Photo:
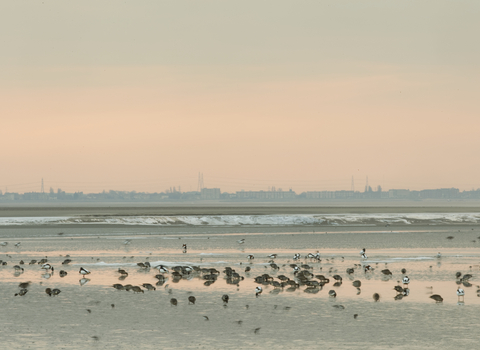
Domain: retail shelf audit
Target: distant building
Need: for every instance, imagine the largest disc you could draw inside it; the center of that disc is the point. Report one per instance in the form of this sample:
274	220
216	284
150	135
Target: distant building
266	195
210	193
398	193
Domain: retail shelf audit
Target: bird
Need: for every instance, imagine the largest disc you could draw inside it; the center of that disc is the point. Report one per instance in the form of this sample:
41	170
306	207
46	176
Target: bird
83	271
137	289
62	273
363	253
225	298
118	286
250	257
258	291
206	318
22	292
460	293
406	281
3	244
332	293
404	271
367	268
55	291
173	302
162	269
191	299
387	272
24	285
272	256
66	262
18	268
47	267
436	297
127	241
122	272
439	255
241	241
376	297
148	286
18	244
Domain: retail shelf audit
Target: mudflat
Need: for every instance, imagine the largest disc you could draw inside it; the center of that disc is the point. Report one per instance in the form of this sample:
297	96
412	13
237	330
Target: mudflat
90	313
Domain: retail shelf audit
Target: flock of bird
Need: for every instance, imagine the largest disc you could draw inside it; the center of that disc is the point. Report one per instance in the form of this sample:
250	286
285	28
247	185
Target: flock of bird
300	275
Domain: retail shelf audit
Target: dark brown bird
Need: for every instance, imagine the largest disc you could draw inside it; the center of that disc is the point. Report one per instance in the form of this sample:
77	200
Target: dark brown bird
191	300
225	298
173	302
437	298
376	297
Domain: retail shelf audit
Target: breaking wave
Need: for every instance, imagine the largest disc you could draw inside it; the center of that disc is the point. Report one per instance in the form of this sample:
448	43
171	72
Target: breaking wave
254	220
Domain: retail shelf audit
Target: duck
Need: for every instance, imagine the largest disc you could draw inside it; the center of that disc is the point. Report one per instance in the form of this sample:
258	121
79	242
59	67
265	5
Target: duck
191	300
460	293
258	291
225	298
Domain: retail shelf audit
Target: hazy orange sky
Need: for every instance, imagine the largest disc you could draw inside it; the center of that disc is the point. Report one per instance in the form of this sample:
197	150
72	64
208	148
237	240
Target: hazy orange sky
144	95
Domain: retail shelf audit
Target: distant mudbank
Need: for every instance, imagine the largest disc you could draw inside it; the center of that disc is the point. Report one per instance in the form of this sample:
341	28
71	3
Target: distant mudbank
255	220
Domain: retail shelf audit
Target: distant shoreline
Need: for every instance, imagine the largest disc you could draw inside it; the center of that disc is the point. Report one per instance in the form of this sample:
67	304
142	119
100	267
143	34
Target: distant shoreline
137	209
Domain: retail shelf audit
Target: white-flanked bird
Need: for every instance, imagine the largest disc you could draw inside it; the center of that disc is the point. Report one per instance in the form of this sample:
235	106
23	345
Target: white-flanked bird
18	244
250	257
363	253
127	241
272	256
83	271
258	291
47	267
162	269
460	293
3	244
296	256
406	281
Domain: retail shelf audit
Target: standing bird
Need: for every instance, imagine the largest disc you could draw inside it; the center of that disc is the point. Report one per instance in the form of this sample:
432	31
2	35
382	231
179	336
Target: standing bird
191	300
376	297
225	298
406	281
363	253
173	302
241	241
258	291
272	256
184	248
47	267
84	271
250	257
460	293
437	298
22	292
332	293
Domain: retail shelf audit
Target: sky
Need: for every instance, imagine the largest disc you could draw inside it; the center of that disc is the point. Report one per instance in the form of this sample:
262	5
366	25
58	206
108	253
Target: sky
145	95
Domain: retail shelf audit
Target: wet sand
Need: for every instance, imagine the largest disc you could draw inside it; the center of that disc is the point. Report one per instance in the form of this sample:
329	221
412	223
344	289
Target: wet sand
81	316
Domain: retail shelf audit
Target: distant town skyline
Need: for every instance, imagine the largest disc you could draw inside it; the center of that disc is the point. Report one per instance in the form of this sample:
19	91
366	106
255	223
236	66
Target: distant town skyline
43	186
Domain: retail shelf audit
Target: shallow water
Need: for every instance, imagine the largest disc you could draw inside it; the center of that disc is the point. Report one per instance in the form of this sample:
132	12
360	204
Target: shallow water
283	319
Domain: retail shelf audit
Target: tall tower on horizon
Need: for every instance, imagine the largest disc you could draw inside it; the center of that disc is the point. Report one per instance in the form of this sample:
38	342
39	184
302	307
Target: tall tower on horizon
366	185
42	190
352	187
200	182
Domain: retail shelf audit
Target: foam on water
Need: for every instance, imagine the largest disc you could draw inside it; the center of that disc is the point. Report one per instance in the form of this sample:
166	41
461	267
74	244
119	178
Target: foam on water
254	220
